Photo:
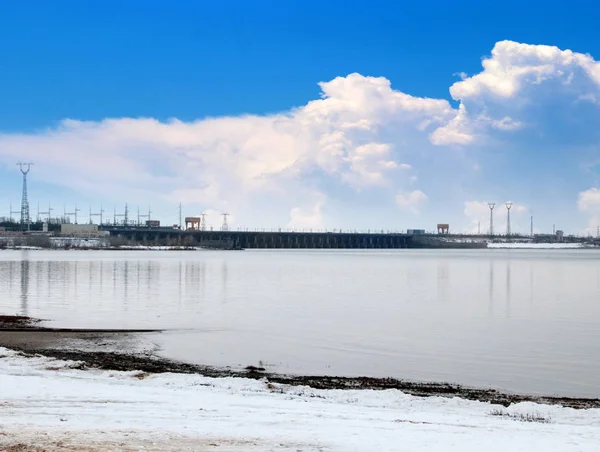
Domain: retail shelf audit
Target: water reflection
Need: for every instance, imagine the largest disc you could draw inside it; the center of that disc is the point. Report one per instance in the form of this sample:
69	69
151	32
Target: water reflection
224	280
11	274
25	283
179	285
75	278
531	284
508	288
126	283
443	278
491	288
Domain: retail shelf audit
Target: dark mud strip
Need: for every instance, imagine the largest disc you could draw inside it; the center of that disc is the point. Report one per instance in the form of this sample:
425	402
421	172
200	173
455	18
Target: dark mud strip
76	330
17	323
29	346
124	362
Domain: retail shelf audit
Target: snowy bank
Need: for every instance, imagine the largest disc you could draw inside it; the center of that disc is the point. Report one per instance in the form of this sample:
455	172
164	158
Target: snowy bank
536	245
46	402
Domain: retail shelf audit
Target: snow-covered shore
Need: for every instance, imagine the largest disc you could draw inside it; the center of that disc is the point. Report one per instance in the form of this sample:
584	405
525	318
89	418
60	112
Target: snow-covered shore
46	402
525	245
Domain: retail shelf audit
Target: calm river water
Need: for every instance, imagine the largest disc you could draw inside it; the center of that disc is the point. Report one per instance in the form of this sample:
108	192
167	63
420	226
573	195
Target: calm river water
518	320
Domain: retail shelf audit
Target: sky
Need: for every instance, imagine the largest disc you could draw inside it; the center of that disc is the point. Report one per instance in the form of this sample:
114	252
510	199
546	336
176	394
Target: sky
347	115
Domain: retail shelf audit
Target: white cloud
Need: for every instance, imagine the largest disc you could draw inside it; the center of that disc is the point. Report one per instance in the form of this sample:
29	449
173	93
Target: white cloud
589	203
351	145
478	213
231	162
307	218
411	200
522	85
591	98
456	131
506	123
513	65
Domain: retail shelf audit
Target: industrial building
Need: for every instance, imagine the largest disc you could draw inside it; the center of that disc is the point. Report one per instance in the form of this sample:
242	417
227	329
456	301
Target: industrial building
81	230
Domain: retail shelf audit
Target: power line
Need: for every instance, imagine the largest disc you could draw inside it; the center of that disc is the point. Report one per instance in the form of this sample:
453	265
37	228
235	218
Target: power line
96	214
74	213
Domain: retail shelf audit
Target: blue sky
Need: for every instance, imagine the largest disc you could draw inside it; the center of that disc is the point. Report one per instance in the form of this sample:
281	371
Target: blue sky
242	78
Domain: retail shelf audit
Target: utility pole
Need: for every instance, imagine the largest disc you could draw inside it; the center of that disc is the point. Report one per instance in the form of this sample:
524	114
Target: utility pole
146	216
97	214
203	225
48	213
180	218
531	227
13	212
74	213
25	218
479	227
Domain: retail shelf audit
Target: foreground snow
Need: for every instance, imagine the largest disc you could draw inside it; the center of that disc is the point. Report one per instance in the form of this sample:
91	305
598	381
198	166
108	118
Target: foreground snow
45	402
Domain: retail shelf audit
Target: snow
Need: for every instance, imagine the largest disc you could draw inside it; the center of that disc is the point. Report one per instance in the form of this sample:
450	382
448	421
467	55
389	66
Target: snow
62	242
157	247
536	245
47	402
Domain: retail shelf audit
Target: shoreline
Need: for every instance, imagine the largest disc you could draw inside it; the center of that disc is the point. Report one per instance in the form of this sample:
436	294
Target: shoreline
87	347
489	246
109	248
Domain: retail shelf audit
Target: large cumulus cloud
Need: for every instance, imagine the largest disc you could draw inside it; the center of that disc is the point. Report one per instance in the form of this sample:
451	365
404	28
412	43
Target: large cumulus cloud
362	155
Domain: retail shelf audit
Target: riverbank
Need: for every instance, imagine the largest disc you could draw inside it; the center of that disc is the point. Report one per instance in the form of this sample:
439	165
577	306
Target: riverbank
56	405
99	390
125	351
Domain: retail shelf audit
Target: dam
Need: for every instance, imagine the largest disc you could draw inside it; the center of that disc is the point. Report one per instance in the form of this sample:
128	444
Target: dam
280	239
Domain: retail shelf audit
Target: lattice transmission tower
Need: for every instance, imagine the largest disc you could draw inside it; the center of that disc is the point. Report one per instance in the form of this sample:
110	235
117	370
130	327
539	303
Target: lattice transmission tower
25	218
225	226
508	207
491	205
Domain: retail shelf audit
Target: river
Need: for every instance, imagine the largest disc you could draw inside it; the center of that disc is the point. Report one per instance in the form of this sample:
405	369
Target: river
516	320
